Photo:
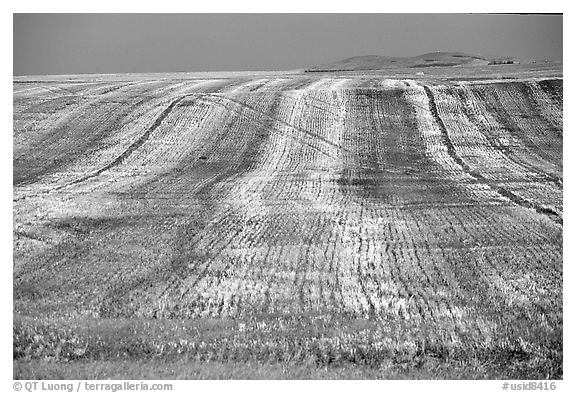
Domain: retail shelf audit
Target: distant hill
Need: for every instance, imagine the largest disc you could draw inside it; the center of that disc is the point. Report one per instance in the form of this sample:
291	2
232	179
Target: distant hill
433	59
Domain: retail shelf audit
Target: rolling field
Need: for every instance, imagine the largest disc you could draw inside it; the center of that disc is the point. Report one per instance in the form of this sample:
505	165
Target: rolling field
306	225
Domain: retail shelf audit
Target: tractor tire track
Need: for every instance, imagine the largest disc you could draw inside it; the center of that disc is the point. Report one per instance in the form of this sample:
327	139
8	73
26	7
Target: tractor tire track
132	148
554	216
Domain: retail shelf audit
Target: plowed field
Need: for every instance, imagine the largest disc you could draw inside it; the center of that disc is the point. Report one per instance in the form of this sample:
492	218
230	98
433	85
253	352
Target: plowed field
352	226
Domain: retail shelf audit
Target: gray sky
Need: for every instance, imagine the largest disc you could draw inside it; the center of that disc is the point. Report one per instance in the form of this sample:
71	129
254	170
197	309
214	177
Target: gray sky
108	43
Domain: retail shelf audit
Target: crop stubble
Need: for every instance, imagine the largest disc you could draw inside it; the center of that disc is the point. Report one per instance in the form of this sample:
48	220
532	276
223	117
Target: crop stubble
361	220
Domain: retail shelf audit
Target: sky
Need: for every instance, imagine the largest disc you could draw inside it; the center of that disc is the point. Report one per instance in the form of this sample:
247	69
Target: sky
49	44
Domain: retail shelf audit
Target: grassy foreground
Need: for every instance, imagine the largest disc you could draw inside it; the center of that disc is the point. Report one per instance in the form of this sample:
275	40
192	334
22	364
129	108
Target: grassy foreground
311	348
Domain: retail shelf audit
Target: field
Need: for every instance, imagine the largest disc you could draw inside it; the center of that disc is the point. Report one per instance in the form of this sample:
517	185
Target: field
289	225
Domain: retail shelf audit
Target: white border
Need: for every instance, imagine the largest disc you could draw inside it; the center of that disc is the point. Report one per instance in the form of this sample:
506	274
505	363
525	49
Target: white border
298	6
